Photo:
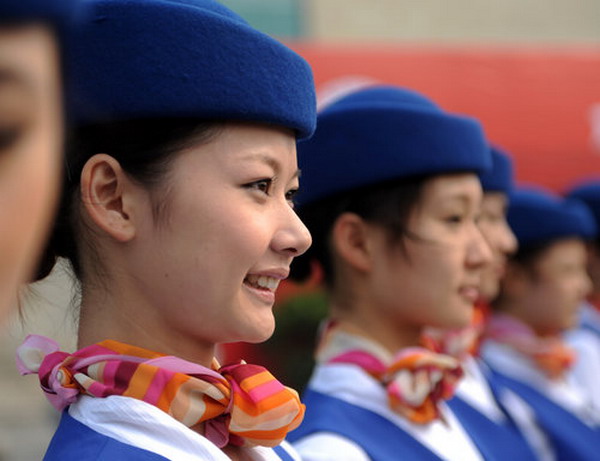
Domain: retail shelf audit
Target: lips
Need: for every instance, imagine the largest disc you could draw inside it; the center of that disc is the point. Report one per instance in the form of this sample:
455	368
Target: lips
471	293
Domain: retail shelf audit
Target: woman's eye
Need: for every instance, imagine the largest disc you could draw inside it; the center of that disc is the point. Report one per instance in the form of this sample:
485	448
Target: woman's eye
454	219
8	137
291	195
262	185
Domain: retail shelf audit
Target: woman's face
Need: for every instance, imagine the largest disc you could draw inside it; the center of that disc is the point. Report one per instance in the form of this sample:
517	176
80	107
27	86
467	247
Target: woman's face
30	150
434	279
500	239
208	271
555	287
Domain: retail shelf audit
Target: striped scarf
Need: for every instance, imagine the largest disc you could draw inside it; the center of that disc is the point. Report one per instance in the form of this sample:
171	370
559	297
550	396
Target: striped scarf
416	379
550	355
240	404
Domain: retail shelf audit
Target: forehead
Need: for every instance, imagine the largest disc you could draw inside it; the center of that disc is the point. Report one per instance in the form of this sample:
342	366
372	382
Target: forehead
563	251
28	57
494	200
452	189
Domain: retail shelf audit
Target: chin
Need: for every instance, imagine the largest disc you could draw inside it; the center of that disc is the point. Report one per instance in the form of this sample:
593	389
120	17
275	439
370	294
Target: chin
463	315
259	333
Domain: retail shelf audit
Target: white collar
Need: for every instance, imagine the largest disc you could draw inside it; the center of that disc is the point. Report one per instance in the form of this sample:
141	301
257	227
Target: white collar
145	426
351	384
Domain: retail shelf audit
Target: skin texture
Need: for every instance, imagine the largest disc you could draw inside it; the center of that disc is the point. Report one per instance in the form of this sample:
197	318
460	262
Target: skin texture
500	239
548	294
30	152
398	288
180	285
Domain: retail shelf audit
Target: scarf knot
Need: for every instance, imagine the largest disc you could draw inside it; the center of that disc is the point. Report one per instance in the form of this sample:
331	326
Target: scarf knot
238	404
416	379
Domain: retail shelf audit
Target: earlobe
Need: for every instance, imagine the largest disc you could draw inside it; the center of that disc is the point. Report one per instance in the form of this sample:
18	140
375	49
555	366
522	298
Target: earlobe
104	196
350	238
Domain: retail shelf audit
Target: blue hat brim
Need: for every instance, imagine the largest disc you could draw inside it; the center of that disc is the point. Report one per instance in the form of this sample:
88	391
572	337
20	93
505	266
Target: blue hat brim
537	216
152	58
366	142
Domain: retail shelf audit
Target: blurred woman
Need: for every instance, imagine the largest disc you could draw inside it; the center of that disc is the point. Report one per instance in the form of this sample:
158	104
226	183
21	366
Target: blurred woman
545	283
31	135
392	198
499	422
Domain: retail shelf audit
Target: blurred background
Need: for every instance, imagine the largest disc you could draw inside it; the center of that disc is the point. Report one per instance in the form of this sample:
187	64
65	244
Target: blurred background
529	70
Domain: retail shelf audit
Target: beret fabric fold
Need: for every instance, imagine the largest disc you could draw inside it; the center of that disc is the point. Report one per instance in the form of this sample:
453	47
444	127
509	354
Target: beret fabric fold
184	58
589	193
382	133
537	216
500	177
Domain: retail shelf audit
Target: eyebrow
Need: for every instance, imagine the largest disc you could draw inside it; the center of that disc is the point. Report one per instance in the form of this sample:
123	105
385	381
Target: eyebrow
269	160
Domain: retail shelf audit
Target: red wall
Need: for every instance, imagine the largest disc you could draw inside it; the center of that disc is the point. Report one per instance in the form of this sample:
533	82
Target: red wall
534	101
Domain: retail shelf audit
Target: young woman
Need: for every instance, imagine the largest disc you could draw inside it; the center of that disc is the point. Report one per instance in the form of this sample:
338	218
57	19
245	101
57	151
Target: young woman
499	422
392	199
585	339
545	283
30	135
177	219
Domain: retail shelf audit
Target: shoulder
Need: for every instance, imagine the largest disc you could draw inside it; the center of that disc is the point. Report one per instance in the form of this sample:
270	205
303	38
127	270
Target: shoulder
323	446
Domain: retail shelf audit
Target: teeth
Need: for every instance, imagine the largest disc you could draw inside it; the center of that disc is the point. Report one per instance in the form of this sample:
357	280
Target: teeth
263	281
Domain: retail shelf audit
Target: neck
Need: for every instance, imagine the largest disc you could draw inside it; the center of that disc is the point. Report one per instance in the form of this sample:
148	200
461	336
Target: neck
378	329
128	319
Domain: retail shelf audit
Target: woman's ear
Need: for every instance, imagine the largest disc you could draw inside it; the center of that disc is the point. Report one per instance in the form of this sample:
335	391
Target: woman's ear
105	196
350	239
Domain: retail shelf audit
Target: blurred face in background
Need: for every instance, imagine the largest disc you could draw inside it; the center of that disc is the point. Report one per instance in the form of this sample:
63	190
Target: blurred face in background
500	239
434	278
554	287
30	150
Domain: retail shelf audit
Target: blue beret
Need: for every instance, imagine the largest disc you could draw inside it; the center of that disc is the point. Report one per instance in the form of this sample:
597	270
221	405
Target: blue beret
589	193
56	12
500	177
184	58
537	216
382	133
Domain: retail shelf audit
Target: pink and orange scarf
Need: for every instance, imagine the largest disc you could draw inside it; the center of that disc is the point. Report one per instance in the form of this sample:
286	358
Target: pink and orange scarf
549	354
415	379
239	404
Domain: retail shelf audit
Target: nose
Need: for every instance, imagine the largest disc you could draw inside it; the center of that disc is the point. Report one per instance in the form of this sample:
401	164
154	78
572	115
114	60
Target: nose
479	252
292	237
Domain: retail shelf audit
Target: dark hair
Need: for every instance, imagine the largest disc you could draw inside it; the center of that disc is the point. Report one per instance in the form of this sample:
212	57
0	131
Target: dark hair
388	204
144	148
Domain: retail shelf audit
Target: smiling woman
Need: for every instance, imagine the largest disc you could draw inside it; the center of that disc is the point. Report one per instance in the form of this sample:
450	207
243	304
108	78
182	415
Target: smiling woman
177	219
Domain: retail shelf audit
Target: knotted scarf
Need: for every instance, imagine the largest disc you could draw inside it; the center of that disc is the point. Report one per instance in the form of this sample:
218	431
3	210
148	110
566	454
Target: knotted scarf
549	354
240	404
416	379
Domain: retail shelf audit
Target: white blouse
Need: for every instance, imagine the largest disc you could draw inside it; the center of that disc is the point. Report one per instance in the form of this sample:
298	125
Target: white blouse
474	390
142	425
565	392
349	383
